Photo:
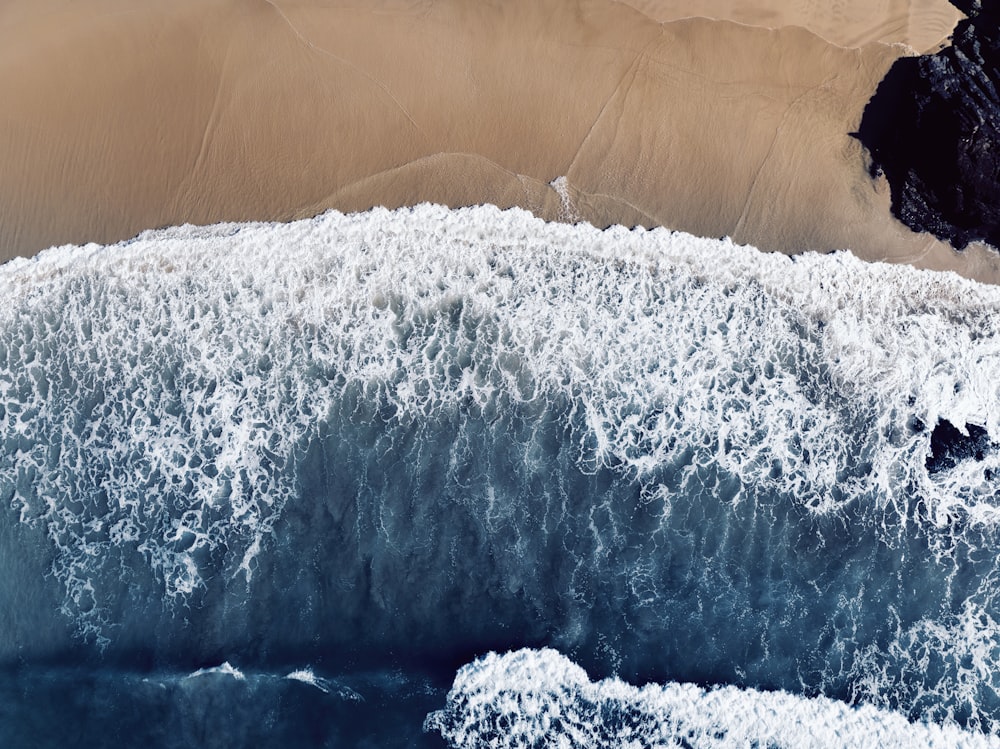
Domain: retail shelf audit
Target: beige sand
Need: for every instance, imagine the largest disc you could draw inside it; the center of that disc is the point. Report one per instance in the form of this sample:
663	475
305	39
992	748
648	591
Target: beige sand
123	116
921	24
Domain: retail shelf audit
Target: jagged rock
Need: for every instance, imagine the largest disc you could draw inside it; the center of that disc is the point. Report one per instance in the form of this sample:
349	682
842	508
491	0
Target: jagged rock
933	128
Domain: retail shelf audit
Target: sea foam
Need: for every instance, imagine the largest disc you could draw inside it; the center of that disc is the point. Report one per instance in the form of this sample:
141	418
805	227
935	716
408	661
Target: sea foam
534	698
672	456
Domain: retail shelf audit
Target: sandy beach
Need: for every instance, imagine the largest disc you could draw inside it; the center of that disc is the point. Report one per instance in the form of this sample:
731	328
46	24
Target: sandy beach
120	118
921	24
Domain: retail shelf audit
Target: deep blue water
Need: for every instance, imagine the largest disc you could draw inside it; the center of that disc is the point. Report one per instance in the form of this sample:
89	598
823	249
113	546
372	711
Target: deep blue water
380	446
102	707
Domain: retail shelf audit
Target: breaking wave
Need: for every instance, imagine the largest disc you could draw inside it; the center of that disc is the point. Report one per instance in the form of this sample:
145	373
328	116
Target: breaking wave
540	698
432	433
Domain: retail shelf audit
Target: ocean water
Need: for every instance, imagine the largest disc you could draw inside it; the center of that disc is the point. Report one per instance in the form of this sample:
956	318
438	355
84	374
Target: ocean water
464	478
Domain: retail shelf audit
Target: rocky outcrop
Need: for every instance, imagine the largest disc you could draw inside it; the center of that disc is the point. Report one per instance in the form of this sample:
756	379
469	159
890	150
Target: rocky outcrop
950	446
933	128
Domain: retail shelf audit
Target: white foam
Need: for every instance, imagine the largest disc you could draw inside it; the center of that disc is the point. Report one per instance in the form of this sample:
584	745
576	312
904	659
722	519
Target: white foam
155	395
629	321
225	669
534	698
307	676
568	210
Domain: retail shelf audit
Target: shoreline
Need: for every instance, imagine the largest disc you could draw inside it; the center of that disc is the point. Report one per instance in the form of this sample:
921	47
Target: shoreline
205	112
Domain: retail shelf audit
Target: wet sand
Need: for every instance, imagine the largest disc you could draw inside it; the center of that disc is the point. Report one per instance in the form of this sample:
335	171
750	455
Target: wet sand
921	24
119	118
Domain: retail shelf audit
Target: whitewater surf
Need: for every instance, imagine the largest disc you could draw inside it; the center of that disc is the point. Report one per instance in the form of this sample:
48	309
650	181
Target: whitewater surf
343	457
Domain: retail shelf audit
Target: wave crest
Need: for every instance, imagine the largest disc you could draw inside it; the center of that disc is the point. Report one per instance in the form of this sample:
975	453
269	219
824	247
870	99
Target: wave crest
533	698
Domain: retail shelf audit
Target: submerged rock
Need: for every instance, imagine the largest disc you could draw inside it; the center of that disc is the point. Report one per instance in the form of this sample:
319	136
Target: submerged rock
950	446
933	128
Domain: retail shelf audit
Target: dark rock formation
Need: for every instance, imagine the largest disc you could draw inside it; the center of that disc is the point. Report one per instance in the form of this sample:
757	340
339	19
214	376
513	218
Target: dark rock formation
949	446
933	128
